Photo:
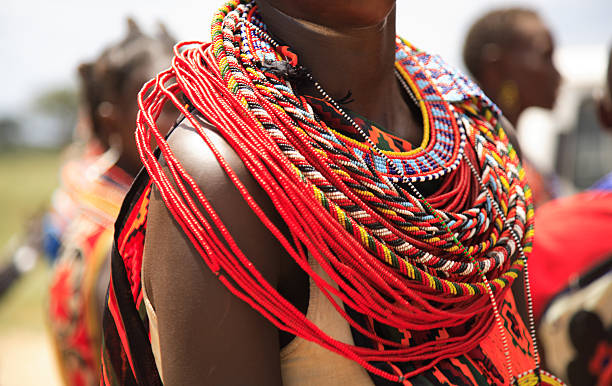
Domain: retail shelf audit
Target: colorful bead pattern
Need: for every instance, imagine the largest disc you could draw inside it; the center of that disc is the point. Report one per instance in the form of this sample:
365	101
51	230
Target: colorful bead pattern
397	259
352	154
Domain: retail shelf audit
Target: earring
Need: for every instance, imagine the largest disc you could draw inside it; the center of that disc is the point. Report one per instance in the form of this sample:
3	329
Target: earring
509	95
105	109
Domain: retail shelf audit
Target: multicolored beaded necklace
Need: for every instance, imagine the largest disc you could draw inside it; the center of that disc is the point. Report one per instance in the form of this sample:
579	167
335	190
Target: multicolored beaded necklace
396	257
438	121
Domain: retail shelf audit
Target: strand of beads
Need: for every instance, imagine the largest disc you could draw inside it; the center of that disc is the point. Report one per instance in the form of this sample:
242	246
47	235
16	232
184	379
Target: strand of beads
405	179
463	249
452	267
309	179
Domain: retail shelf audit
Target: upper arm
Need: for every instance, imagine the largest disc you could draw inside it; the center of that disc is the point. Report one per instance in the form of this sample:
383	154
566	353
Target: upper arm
208	335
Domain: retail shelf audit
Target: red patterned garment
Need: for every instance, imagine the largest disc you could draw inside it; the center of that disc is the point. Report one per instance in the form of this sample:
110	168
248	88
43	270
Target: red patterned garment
73	312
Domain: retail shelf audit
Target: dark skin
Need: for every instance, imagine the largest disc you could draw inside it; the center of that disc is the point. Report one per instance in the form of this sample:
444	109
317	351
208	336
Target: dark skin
207	335
524	68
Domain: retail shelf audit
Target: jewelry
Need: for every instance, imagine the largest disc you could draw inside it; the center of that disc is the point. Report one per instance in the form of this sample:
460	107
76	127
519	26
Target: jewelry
417	193
395	257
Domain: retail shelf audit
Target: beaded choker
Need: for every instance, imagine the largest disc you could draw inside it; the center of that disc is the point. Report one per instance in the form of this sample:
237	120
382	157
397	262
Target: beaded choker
443	136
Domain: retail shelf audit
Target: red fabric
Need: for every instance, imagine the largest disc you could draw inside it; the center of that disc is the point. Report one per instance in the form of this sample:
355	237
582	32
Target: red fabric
571	235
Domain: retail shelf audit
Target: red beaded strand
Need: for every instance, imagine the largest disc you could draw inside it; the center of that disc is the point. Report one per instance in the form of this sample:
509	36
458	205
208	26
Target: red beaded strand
361	277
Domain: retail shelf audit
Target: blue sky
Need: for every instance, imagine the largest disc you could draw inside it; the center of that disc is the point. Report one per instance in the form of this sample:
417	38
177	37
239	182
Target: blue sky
43	41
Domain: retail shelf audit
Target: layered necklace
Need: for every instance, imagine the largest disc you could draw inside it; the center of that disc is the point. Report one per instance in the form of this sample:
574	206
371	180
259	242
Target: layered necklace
394	256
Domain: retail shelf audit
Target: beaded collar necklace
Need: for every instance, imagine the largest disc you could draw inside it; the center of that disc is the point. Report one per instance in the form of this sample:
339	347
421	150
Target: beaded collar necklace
332	137
443	135
404	165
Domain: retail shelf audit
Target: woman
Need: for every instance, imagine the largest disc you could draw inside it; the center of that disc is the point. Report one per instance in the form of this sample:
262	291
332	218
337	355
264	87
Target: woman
96	183
510	54
282	237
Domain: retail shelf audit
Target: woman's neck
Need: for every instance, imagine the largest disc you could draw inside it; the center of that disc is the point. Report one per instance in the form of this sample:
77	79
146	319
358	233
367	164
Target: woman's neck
513	115
360	60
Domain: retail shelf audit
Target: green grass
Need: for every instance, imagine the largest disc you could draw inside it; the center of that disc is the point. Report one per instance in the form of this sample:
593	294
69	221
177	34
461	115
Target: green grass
23	307
28	179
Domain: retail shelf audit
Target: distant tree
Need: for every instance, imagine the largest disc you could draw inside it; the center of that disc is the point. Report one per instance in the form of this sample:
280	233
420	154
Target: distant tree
9	131
59	104
60	101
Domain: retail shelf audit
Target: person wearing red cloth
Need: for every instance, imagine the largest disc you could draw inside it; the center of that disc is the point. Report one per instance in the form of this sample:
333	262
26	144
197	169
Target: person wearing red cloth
572	234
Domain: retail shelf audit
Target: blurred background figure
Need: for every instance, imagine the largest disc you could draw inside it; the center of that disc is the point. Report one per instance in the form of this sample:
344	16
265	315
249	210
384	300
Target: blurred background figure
584	146
93	186
604	112
510	54
571	267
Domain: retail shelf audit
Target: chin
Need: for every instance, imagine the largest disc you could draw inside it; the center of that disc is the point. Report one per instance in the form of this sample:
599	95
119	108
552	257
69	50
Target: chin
549	101
338	13
546	105
370	13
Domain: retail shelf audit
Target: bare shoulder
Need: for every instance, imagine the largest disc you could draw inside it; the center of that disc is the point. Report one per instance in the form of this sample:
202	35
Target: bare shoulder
208	335
197	157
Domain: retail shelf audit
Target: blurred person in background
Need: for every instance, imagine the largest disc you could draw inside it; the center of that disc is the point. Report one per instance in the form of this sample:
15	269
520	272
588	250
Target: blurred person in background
84	151
510	54
604	110
571	267
93	186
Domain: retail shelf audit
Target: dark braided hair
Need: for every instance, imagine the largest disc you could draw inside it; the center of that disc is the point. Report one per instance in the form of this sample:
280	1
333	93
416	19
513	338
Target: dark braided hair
491	34
108	78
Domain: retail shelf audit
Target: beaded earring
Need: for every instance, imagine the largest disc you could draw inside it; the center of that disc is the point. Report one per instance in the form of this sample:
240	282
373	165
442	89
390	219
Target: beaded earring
508	95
